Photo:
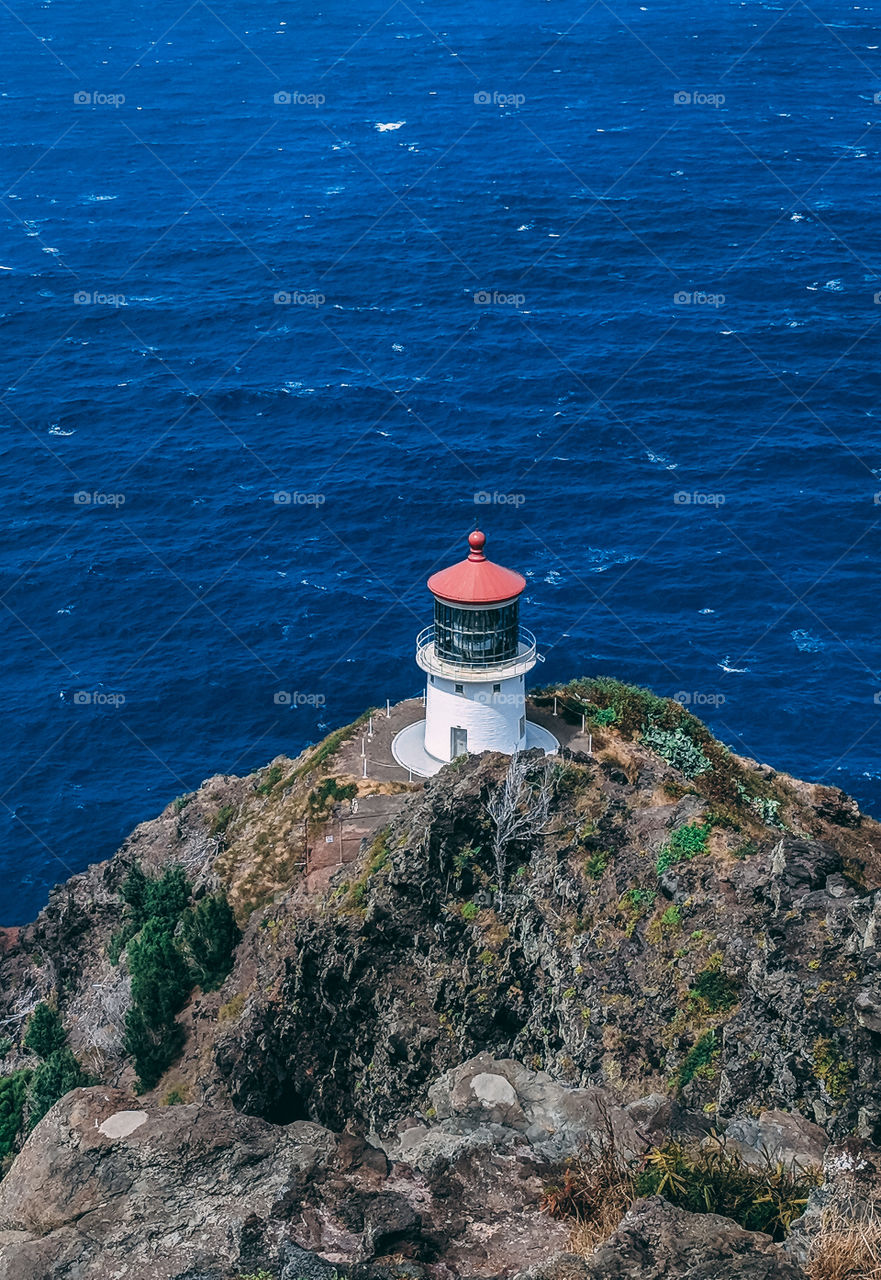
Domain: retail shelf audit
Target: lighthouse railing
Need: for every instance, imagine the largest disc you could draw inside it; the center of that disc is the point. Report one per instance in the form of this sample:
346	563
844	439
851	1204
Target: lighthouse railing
526	652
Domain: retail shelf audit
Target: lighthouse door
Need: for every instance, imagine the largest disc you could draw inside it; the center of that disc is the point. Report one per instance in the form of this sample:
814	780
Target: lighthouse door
458	742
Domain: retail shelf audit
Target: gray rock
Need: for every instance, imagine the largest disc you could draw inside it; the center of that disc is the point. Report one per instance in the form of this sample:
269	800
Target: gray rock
867	1008
778	1135
95	1170
300	1264
557	1121
656	1241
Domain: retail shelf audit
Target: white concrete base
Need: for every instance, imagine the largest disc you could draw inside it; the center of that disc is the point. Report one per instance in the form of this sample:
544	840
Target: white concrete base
408	747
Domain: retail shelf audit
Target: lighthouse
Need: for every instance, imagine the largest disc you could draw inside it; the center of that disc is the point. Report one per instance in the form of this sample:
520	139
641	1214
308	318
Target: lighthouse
476	657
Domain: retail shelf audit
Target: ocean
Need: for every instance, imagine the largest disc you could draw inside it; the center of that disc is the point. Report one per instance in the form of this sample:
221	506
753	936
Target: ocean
292	294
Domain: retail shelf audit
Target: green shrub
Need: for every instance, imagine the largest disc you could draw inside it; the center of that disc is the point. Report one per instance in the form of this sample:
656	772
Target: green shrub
328	792
155	898
45	1033
13	1091
54	1077
714	990
685	843
677	748
211	935
153	1048
161	980
470	910
596	863
272	777
834	1070
699	1059
713	1180
222	818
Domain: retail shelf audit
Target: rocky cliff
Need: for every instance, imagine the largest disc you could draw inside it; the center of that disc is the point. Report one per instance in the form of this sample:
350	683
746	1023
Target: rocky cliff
433	999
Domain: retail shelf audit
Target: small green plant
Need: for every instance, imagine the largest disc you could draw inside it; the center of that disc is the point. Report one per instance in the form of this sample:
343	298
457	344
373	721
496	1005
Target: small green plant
469	910
699	1059
832	1068
222	818
685	843
596	863
714	990
45	1033
463	859
672	918
5	1045
179	803
677	748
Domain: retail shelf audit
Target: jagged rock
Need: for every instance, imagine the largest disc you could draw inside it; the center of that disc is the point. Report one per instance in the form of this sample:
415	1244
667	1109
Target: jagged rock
300	1264
867	1007
777	1136
656	1241
95	1170
556	1120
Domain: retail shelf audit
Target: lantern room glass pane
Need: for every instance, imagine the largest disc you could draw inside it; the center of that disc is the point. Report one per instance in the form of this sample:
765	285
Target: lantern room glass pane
476	637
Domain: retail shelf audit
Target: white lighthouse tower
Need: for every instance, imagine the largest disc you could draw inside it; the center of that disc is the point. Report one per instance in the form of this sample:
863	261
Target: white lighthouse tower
476	658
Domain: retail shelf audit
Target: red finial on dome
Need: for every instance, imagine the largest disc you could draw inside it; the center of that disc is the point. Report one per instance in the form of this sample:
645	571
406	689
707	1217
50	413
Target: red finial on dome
476	580
477	541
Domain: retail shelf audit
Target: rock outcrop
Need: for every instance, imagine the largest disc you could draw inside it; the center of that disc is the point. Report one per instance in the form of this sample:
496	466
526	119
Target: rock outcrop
412	1039
657	1242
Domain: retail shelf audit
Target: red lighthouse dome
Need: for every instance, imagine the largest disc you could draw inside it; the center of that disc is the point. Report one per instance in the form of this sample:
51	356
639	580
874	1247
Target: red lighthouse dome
476	580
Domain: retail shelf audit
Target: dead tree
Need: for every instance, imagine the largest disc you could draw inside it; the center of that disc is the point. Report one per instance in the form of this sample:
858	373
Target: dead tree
519	808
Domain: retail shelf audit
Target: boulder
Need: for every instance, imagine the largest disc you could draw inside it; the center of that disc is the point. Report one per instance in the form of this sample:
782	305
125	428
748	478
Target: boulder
867	1008
96	1169
656	1241
783	1136
556	1120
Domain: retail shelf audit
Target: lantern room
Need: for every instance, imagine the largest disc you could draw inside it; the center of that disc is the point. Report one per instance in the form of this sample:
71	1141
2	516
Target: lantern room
476	657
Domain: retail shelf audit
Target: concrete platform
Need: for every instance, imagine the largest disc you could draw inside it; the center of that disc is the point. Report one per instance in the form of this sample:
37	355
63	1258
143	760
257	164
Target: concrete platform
408	747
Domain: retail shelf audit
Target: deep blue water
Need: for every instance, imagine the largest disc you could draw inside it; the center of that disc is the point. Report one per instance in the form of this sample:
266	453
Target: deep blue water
583	188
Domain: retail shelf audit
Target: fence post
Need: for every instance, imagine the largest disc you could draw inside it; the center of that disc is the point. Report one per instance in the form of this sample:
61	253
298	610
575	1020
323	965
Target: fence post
555	704
370	727
388	709
582	722
364	771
